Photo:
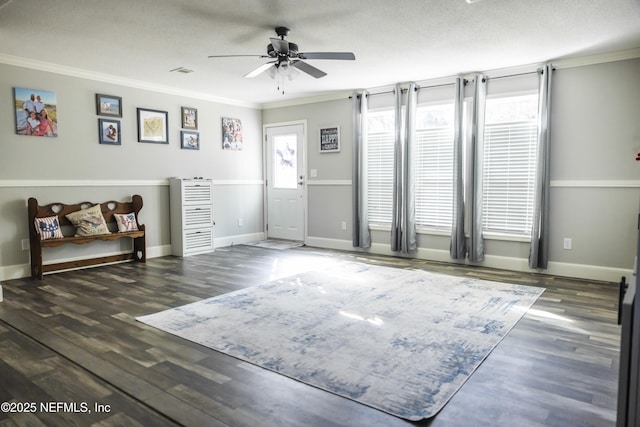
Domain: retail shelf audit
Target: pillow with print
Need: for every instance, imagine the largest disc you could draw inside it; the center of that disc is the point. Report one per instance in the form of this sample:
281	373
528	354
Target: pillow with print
48	228
89	222
126	222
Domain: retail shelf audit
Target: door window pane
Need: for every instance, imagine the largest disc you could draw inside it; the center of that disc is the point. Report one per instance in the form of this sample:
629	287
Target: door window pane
285	162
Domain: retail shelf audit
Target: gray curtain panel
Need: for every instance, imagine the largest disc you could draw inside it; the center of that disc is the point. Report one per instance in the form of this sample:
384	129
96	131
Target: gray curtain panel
361	235
539	251
403	225
457	248
476	242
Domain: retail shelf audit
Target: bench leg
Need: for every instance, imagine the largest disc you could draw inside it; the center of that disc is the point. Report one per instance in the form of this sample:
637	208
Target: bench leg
36	263
140	249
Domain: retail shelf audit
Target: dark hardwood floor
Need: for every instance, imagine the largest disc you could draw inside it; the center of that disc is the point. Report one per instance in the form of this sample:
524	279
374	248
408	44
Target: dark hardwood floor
72	338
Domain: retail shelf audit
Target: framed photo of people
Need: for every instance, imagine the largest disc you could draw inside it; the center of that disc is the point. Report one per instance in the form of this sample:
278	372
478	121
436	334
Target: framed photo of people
231	134
108	105
189	140
109	131
36	112
189	118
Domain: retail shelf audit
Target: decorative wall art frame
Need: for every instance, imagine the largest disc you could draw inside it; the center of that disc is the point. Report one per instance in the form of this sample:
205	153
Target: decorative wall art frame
330	139
109	131
231	134
189	140
36	112
153	126
189	118
108	105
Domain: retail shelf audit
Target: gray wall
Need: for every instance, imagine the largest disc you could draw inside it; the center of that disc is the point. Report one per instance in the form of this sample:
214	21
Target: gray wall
595	178
74	167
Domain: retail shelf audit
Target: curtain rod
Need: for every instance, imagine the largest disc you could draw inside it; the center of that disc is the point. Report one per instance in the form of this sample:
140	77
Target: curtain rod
465	81
405	90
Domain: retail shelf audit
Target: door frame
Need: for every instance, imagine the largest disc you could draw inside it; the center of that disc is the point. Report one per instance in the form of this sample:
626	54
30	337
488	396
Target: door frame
265	159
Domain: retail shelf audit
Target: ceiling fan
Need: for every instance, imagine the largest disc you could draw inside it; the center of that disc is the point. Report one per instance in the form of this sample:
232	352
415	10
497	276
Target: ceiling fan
287	59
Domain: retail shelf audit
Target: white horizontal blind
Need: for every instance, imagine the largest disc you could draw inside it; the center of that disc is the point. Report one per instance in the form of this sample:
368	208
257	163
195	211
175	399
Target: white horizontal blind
434	166
380	141
509	164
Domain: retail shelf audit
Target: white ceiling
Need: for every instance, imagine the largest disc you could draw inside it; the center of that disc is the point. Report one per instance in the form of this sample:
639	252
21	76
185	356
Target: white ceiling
140	41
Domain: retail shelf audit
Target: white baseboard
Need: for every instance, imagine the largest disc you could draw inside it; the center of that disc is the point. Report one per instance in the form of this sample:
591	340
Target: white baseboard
237	239
578	271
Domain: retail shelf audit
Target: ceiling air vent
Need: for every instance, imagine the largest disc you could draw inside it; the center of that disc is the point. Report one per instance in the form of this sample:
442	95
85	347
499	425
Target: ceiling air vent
181	70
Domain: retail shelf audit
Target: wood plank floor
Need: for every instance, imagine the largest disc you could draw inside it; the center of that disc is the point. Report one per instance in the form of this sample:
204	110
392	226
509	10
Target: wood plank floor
73	338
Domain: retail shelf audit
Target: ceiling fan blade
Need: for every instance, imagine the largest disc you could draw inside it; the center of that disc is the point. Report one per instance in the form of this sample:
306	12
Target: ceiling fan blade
261	69
349	56
280	46
237	56
309	69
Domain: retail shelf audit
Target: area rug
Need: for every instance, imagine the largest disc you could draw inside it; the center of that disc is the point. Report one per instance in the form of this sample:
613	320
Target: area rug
275	244
401	341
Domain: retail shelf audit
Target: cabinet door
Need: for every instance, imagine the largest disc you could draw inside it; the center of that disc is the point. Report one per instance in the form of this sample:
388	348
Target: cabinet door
198	216
197	193
198	240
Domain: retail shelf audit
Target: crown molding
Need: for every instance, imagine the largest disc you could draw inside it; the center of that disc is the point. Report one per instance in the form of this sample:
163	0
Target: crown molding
122	81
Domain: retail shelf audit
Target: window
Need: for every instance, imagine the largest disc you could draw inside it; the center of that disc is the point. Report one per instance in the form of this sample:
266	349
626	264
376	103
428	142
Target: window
509	164
380	144
434	166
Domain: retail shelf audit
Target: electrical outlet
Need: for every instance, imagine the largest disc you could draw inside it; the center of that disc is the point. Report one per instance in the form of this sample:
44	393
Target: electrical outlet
344	225
240	222
25	244
568	243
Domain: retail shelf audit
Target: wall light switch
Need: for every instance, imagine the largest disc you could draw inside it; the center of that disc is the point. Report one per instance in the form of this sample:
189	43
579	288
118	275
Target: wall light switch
567	243
314	173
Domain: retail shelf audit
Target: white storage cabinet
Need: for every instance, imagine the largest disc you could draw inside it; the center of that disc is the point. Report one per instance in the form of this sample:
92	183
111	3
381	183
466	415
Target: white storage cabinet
191	203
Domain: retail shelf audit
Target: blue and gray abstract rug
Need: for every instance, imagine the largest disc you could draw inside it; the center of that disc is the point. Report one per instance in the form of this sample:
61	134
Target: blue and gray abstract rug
401	341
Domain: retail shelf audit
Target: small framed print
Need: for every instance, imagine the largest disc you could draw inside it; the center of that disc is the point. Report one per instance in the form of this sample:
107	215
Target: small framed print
330	139
153	126
189	140
109	131
189	118
108	105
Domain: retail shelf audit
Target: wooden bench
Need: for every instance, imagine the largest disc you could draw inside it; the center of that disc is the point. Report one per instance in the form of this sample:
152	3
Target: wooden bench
60	209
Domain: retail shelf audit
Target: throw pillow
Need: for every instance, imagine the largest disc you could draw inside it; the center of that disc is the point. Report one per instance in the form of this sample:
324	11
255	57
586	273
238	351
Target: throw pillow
48	228
126	222
89	222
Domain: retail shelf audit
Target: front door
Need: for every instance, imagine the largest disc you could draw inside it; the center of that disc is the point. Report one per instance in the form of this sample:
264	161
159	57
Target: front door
285	182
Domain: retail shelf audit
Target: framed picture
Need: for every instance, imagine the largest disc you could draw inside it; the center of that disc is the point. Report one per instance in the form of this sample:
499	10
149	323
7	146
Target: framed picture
108	105
109	131
153	126
189	140
36	112
231	134
189	118
330	139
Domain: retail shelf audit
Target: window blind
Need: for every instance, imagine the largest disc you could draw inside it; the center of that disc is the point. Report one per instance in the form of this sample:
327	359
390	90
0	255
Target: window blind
380	177
509	176
434	177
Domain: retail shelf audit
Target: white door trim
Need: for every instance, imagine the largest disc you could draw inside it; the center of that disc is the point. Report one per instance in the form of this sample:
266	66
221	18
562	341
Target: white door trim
265	157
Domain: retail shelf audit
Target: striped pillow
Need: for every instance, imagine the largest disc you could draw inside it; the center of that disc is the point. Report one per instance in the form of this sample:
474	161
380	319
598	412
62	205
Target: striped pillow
48	228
